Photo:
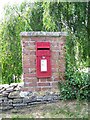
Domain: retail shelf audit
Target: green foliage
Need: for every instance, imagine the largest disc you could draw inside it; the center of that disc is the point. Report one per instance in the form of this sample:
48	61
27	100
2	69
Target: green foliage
11	48
76	86
77	82
36	18
17	19
11	53
60	16
48	22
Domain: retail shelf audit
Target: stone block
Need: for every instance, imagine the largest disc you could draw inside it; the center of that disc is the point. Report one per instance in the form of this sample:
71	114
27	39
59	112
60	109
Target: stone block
2	90
6	103
14	94
10	89
7	107
39	98
27	100
18	100
19	105
4	99
5	94
47	98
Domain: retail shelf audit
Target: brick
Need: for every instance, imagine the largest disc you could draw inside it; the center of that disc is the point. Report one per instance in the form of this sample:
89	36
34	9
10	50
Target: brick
56	79
37	38
52	39
32	57
63	38
62	69
42	80
32	84
54	65
31	79
55	74
25	70
29	75
32	66
25	57
62	57
49	79
55	84
54	44
54	52
32	52
43	84
32	61
27	84
26	65
25	89
45	89
62	76
32	43
62	66
54	70
54	47
27	80
37	89
29	52
26	61
55	56
25	43
32	70
31	89
31	47
26	38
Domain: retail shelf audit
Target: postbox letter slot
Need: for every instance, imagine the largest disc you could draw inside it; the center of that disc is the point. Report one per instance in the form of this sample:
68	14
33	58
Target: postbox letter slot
42	48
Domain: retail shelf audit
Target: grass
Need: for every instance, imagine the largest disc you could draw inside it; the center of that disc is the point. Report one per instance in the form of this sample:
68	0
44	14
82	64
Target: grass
61	109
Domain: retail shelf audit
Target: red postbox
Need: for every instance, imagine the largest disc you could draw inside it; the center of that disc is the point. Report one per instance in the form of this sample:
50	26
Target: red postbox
43	63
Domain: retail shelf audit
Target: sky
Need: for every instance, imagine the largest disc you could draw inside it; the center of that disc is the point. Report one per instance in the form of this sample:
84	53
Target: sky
4	2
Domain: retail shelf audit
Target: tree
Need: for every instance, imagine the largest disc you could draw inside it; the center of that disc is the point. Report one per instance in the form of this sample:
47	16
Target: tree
13	23
75	18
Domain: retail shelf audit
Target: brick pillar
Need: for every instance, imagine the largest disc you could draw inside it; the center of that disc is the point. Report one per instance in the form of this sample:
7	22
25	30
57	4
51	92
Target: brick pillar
57	42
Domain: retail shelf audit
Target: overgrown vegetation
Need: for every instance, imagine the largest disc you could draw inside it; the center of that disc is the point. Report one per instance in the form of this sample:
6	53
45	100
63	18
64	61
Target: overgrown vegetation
76	84
72	17
60	109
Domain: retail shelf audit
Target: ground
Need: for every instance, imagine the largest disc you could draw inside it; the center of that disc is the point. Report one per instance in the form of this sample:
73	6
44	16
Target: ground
58	109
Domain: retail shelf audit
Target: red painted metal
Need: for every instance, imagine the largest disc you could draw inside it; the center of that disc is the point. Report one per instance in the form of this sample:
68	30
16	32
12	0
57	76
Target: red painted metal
43	62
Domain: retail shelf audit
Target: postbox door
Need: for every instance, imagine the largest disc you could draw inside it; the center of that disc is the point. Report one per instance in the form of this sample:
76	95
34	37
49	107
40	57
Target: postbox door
43	67
43	63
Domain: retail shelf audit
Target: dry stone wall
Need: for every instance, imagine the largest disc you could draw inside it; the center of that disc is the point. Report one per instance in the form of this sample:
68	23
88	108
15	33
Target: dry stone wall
12	96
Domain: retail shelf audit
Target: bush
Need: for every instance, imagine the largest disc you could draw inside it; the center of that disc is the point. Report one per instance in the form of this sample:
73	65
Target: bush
76	87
